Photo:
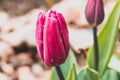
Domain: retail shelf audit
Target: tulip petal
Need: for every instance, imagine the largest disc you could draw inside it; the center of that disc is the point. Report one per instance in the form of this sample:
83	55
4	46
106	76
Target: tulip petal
39	34
99	16
53	45
63	32
41	18
90	11
94	11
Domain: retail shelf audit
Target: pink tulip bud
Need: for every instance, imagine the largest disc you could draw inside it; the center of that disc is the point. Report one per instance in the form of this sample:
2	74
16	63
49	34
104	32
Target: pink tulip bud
52	38
94	11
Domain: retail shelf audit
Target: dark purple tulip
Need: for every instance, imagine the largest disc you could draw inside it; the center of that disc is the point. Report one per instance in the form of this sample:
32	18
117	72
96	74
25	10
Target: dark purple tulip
52	38
94	11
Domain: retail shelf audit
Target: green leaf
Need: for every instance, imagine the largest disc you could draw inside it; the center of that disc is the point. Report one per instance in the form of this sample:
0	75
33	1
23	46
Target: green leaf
111	75
64	67
72	74
82	75
119	24
88	74
75	72
93	74
106	41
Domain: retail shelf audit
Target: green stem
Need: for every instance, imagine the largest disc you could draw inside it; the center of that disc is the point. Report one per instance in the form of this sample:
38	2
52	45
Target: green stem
59	72
96	51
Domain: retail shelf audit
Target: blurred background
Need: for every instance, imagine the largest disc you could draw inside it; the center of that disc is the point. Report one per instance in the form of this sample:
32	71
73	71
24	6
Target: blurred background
19	59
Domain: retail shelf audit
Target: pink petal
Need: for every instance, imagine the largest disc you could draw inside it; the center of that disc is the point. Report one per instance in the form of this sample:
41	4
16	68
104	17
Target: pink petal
39	34
63	32
99	12
53	45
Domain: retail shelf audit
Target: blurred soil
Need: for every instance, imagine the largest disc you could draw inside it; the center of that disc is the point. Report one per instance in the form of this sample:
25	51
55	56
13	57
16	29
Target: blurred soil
21	7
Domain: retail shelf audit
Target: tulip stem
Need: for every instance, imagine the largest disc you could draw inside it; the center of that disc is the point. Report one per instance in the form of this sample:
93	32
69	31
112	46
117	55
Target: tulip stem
59	72
96	51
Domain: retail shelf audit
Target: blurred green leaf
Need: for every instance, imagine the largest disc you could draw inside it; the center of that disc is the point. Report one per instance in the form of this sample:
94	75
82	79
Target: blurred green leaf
106	40
111	75
75	77
119	24
82	75
88	74
72	74
93	74
64	67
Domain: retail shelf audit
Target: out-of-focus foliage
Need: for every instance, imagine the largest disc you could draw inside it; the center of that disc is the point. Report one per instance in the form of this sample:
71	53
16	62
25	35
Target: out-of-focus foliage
72	74
111	75
88	74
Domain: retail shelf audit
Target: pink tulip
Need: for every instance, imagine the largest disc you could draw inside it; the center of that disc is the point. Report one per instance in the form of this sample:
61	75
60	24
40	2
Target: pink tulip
52	38
94	11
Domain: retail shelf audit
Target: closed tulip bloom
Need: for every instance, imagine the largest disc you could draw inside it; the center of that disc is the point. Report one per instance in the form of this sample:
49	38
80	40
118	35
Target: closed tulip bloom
52	38
94	12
